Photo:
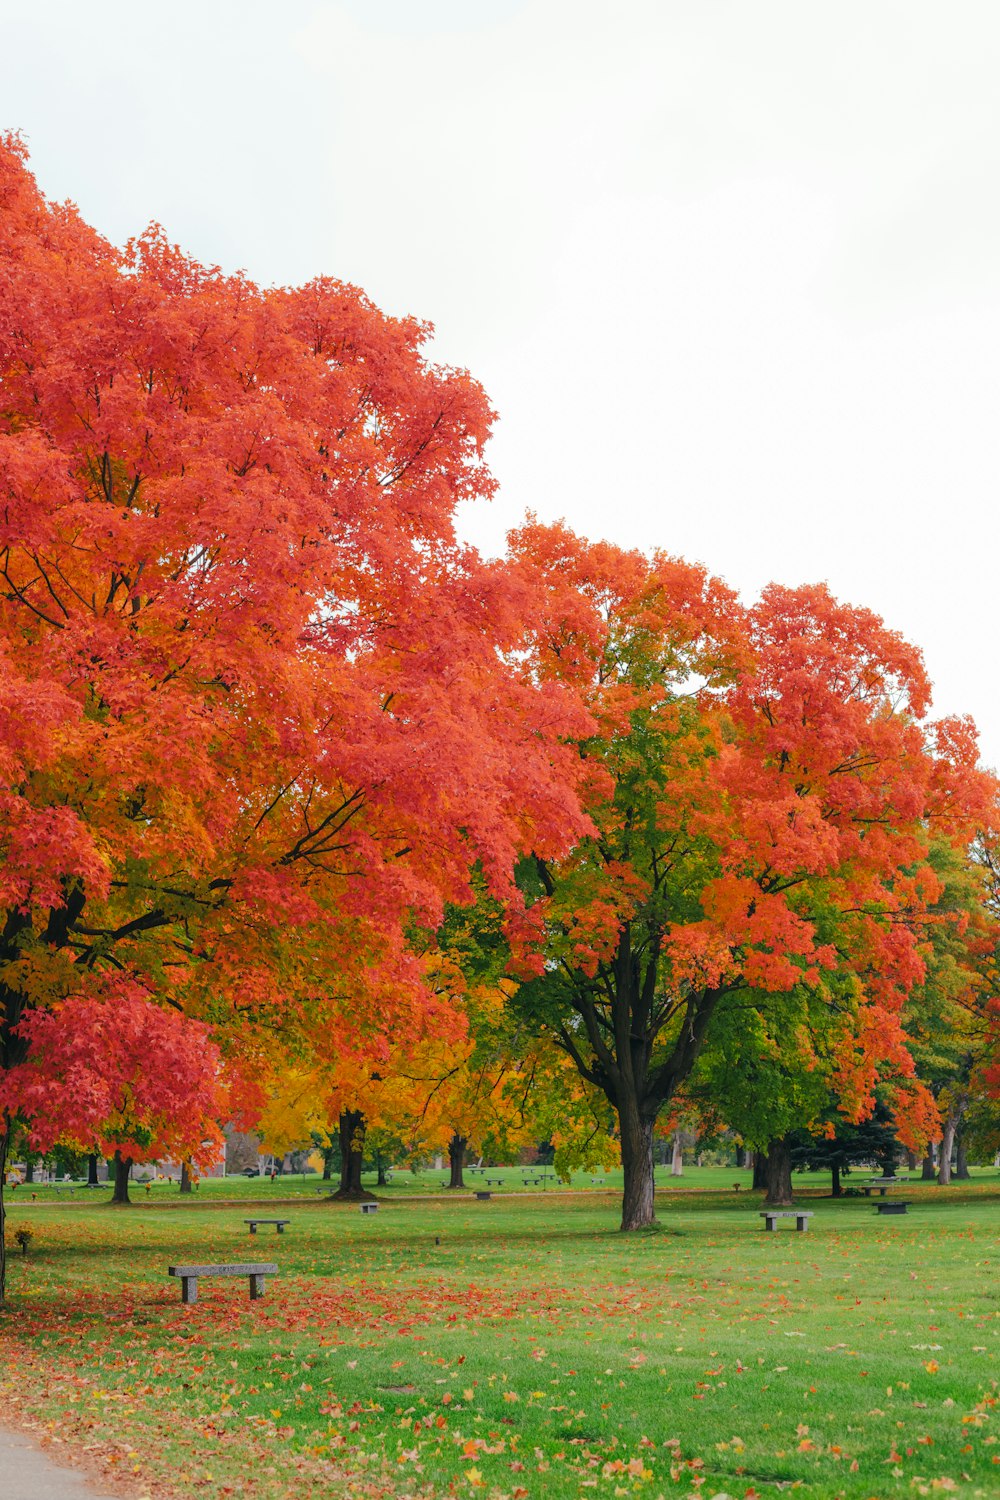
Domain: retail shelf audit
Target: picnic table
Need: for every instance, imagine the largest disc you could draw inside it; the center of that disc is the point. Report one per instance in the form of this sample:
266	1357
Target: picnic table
255	1271
883	1184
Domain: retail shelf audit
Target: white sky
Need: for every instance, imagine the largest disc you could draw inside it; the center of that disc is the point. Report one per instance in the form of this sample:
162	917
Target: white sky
729	271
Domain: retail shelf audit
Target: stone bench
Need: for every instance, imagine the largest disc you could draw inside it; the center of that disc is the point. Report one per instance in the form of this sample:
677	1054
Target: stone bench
494	1181
483	1196
369	1208
254	1270
769	1215
278	1223
893	1206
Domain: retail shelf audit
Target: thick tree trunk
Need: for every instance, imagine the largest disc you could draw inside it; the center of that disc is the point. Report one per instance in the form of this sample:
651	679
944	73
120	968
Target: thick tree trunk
29	1167
380	1180
92	1179
836	1190
456	1160
962	1173
759	1170
123	1166
677	1157
352	1144
741	1156
637	1161
330	1154
911	1161
4	1144
185	1177
927	1166
778	1168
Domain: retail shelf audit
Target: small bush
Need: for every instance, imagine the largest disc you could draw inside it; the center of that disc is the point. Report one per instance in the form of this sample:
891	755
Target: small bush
23	1237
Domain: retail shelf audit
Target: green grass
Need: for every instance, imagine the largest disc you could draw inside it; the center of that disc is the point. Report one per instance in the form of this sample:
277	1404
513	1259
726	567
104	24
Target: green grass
428	1181
542	1352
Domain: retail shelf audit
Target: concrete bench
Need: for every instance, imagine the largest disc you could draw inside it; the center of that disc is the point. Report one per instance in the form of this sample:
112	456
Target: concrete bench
882	1184
369	1208
278	1223
494	1181
254	1270
769	1215
483	1196
893	1206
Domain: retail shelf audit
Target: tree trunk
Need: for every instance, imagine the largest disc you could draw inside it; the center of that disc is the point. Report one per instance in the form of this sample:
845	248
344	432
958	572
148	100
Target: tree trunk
456	1160
759	1170
4	1144
92	1180
677	1157
185	1176
123	1166
637	1161
352	1144
778	1169
927	1166
380	1180
329	1155
952	1126
962	1173
911	1161
29	1167
837	1190
741	1156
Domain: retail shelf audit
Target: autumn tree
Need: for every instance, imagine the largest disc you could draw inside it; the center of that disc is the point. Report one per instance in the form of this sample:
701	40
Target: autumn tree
251	688
762	784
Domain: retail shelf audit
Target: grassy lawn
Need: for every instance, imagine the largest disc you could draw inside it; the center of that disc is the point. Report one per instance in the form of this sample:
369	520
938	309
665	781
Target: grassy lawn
520	1348
404	1183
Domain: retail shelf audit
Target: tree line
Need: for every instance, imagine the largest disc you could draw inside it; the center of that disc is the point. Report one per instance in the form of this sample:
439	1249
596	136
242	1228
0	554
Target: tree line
315	819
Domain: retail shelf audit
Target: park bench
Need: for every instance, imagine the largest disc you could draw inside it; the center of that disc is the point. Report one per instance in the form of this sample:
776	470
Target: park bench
369	1208
893	1206
254	1270
494	1181
483	1195
278	1223
882	1184
769	1215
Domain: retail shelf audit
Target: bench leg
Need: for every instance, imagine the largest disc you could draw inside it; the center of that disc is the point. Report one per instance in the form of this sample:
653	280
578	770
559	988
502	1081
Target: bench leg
802	1224
770	1225
281	1228
189	1289
253	1229
256	1287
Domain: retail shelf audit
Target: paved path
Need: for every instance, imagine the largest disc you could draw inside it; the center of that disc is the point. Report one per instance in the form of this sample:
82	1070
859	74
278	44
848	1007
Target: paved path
26	1473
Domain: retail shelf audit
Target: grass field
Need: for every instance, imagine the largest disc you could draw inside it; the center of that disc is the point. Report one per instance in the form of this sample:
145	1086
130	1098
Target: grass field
520	1348
428	1181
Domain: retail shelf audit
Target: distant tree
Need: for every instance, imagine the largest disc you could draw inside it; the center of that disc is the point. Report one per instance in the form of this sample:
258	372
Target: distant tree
848	1145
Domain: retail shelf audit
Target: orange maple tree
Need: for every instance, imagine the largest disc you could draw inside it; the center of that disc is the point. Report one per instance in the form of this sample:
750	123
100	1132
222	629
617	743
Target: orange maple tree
764	785
250	685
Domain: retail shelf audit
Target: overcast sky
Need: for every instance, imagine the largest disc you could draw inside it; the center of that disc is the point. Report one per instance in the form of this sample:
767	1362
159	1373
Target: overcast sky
728	269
